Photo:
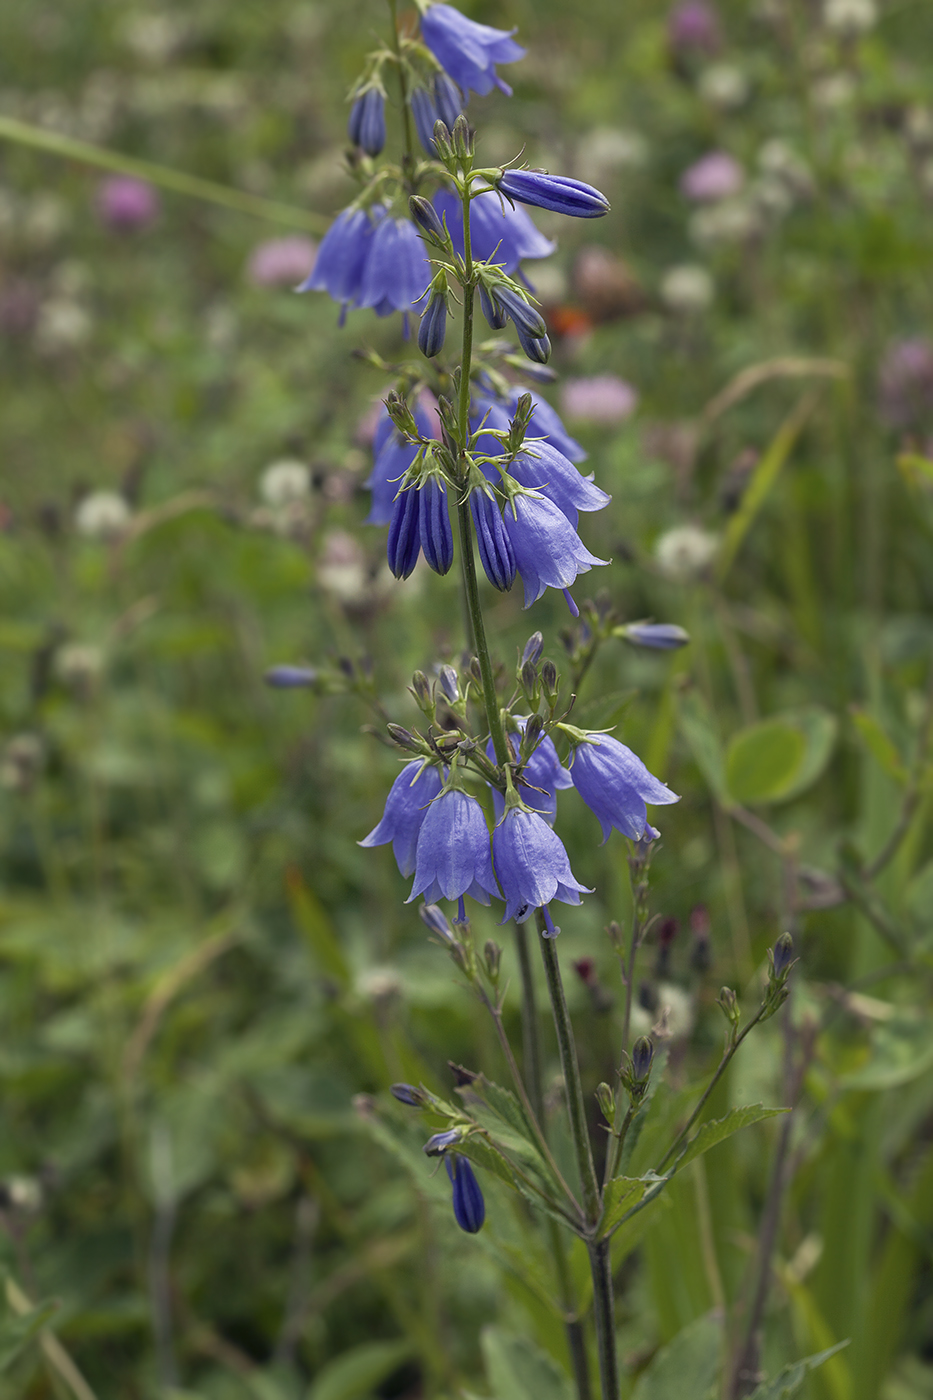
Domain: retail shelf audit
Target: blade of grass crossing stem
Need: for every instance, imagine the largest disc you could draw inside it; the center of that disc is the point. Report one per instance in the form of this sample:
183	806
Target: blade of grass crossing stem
763	478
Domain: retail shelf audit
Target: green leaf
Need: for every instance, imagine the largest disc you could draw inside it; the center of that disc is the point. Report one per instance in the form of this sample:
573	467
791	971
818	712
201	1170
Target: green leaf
687	1366
787	1382
310	916
879	744
357	1373
763	760
779	758
698	729
519	1370
621	1194
902	1050
720	1128
17	1332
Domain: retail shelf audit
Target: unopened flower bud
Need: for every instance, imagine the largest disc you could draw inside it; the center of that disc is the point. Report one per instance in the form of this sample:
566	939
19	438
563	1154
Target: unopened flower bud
529	680
404	738
730	1005
493	955
642	1055
290	677
659	636
422	689
407	1093
607	1102
433	327
436	920
533	648
533	731
425	217
616	935
401	415
437	1145
537	348
468	1203
476	670
442	142
495	314
462	138
550	680
782	956
449	684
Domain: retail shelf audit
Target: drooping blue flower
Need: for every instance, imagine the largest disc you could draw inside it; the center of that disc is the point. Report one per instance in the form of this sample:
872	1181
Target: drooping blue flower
469	1206
396	271
661	636
404	543
525	316
449	100
495	551
437	539
453	854
548	551
342	257
558	193
615	785
404	813
408	1094
468	51
367	125
392	456
532	865
496	315
424	114
544	469
543	770
544	422
498	230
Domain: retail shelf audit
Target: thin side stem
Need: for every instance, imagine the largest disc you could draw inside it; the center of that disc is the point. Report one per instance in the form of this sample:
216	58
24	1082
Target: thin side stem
614	1151
531	1047
571	1072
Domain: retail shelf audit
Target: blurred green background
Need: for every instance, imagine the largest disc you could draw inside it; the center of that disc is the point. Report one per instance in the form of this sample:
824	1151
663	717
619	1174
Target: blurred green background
199	968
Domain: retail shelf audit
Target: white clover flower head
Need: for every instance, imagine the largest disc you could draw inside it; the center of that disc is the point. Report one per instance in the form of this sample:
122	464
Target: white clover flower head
724	85
832	91
676	1012
778	161
850	17
342	567
729	222
103	515
63	325
685	552
284	482
78	664
379	985
687	289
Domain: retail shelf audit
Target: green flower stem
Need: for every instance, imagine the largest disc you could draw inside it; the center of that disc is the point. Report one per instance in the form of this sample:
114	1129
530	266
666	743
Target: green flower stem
465	520
603	1312
600	1266
616	1144
408	161
531	1040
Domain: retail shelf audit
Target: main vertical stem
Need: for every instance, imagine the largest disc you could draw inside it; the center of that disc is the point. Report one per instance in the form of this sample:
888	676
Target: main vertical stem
531	1047
600	1266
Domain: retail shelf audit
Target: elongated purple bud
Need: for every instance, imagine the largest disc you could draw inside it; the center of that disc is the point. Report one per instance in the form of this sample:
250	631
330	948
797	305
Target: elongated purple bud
437	539
367	125
469	1206
495	549
555	192
433	327
495	314
404	544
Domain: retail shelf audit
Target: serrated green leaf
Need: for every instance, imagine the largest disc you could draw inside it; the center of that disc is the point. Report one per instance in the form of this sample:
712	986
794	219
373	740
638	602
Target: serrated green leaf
621	1194
16	1332
721	1128
357	1373
687	1366
519	1370
787	1382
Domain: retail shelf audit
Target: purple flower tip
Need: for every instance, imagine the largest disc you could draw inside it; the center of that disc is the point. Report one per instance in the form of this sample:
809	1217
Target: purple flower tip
604	398
125	203
713	177
281	262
